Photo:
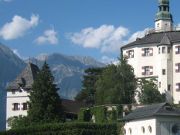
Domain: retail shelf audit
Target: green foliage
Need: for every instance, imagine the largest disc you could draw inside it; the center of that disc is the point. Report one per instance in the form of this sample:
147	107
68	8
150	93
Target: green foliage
149	92
100	114
84	115
116	85
87	93
18	121
45	103
67	129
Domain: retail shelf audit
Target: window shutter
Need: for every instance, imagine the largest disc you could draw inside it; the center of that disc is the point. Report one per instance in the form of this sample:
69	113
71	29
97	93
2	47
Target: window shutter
151	70
143	53
177	49
151	51
143	71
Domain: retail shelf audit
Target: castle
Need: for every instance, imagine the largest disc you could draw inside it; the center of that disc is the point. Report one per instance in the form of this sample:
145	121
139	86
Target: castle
157	54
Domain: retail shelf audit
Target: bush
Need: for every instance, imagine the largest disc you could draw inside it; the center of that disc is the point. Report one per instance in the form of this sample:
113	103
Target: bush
67	129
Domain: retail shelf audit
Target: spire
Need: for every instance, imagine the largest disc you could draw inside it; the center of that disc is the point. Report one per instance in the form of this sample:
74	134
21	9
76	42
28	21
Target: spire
164	19
163	13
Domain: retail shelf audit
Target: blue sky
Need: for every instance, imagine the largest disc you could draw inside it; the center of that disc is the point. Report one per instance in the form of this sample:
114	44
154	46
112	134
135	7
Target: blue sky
95	28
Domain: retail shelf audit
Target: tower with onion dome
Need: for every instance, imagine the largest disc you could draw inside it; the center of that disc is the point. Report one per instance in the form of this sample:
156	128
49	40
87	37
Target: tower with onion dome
164	19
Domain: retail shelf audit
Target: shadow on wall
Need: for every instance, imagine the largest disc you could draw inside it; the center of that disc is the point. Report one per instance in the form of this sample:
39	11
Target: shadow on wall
2	109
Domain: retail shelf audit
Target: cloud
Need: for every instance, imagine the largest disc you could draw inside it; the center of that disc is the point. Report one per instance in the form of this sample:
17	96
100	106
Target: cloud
6	0
107	38
18	27
48	37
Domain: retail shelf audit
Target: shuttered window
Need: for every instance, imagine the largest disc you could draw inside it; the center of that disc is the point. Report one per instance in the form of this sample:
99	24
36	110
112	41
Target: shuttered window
147	70
147	51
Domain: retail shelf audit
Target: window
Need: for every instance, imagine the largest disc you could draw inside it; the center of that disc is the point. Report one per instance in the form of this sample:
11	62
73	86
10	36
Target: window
13	92
177	86
150	129
163	49
163	71
24	106
16	106
130	53
159	50
130	131
143	130
177	49
177	67
147	70
158	25
169	87
147	52
159	84
169	49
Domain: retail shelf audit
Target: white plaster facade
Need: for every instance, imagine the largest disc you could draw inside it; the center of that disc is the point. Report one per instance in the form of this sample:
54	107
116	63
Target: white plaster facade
19	97
152	126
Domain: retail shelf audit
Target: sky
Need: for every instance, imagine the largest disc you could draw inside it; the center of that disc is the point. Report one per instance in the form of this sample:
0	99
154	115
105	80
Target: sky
96	28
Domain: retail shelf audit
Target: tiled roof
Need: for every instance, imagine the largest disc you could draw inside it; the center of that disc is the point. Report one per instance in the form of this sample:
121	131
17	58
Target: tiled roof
165	40
25	79
163	109
174	36
70	106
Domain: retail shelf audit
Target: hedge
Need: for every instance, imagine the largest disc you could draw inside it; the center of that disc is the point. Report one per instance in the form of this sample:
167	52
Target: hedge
68	129
101	114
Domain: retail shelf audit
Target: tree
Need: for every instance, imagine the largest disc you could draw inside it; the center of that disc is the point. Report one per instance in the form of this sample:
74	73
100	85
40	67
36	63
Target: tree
149	92
45	103
87	93
18	122
117	84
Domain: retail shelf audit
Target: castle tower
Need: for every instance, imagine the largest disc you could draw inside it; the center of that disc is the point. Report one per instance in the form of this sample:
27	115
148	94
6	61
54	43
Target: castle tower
165	67
164	19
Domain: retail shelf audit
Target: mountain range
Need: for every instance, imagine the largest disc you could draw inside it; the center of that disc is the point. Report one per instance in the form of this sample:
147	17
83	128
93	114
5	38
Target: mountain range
67	70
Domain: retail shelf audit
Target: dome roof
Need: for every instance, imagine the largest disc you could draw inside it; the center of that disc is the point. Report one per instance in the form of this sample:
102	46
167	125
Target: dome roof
163	15
162	2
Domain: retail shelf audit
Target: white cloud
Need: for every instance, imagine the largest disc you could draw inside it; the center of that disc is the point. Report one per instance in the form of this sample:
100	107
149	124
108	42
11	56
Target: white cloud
107	38
48	37
18	27
108	60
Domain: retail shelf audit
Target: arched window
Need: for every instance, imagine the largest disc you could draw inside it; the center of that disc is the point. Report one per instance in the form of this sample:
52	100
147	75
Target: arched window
143	130
150	129
130	131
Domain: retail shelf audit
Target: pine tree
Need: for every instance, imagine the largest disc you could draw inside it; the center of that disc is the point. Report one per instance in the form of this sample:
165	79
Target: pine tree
87	93
45	103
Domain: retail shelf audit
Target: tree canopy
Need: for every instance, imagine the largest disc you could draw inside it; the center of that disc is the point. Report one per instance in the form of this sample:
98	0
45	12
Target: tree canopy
116	85
149	92
87	93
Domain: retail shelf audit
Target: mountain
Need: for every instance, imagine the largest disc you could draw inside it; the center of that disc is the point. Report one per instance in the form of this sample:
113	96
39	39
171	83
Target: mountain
10	66
67	70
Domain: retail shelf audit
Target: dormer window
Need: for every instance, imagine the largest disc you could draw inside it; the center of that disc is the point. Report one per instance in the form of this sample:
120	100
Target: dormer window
147	52
130	53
